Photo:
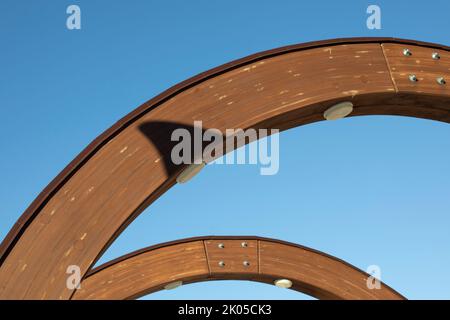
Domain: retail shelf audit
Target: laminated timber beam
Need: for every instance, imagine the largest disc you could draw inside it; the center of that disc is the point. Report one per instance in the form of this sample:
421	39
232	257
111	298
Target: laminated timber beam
230	258
80	213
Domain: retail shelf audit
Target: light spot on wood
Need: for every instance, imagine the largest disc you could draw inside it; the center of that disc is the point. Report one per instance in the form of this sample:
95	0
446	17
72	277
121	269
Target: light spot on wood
283	91
52	212
90	189
351	92
297	74
124	149
157	160
68	252
83	236
230	80
222	97
230	103
295	102
72	199
260	89
299	94
24	267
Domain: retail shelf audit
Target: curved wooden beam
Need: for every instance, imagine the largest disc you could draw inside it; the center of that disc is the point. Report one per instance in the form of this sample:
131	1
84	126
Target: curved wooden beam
197	259
125	169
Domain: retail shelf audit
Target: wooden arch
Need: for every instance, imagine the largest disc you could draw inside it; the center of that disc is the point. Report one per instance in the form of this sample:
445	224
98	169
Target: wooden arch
78	215
244	258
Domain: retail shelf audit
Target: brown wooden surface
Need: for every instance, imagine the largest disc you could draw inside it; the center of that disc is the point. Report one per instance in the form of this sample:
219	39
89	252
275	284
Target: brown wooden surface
123	171
149	270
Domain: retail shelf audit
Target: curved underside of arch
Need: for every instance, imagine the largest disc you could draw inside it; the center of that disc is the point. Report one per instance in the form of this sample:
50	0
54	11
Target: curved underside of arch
80	213
197	259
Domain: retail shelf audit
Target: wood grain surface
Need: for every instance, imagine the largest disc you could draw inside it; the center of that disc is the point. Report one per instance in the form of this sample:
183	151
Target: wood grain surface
81	212
192	260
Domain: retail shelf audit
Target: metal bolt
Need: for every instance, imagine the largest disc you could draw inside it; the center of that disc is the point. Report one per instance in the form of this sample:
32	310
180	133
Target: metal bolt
221	245
436	56
246	263
407	52
413	78
244	244
221	264
440	80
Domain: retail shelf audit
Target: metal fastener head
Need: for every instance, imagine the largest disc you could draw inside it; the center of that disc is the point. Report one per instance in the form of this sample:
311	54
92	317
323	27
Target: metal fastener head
221	245
246	263
413	78
244	244
436	56
407	52
221	264
440	80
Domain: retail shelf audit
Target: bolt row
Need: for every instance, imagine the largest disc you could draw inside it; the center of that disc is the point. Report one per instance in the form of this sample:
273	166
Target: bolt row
245	263
413	77
243	245
434	55
440	80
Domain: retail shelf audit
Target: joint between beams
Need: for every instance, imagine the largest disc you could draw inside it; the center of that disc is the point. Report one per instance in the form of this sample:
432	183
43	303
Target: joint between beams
389	68
207	258
258	253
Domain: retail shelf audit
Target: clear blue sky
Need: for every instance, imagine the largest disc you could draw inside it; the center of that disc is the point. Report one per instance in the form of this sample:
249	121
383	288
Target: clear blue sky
370	190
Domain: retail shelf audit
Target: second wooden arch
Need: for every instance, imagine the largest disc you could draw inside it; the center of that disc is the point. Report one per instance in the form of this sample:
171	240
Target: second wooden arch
230	258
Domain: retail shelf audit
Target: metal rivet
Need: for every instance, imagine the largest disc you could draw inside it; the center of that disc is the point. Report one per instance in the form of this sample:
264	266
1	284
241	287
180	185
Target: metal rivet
190	171
436	56
221	245
440	80
221	264
407	52
413	78
246	263
244	244
283	283
338	111
173	285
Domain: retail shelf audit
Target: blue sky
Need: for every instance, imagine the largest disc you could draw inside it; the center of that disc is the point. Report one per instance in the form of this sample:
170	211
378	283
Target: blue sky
370	190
